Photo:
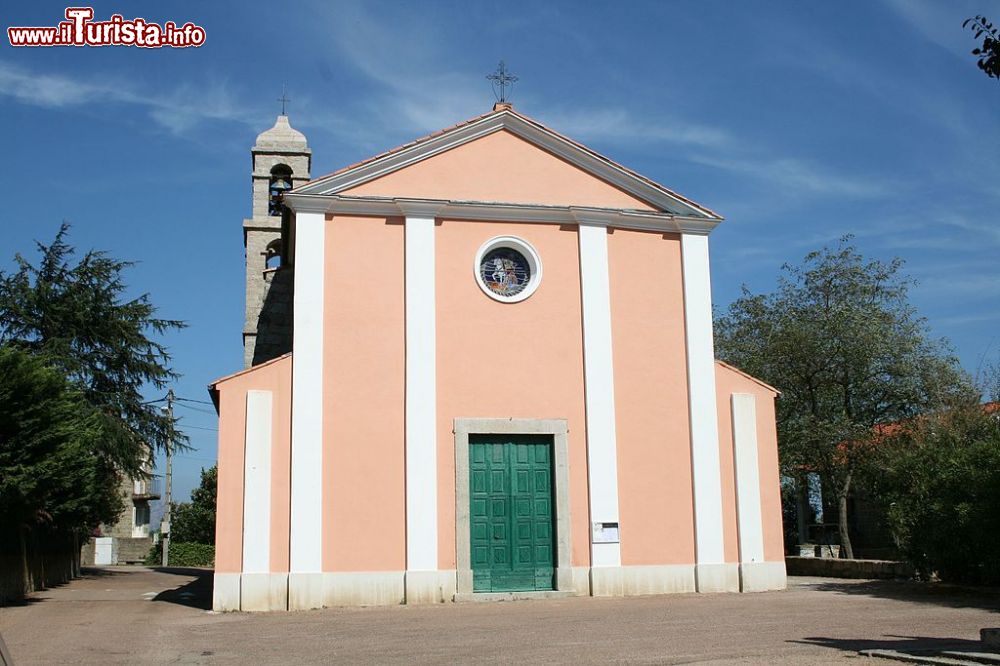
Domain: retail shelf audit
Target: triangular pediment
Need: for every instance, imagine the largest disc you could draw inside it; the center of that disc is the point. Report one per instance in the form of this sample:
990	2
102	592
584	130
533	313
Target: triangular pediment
503	157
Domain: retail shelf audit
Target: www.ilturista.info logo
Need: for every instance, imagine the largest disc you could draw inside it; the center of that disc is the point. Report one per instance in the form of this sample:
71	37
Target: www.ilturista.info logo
79	29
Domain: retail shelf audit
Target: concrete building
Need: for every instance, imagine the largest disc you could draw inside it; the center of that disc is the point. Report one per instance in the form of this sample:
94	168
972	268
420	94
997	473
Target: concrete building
497	378
128	540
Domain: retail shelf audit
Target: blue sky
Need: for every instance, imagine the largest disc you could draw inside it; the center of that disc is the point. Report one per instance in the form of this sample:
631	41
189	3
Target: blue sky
798	121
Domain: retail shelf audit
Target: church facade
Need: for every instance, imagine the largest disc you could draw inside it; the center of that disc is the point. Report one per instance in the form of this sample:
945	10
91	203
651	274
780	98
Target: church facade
481	365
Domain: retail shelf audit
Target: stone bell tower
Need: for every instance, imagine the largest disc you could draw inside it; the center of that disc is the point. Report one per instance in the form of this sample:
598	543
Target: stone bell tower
281	161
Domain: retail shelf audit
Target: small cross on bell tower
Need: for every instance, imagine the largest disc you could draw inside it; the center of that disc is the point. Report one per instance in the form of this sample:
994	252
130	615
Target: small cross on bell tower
283	99
501	80
281	160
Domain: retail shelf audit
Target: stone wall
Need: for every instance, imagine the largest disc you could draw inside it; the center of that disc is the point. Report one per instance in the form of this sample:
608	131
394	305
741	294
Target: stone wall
837	568
274	326
124	550
133	550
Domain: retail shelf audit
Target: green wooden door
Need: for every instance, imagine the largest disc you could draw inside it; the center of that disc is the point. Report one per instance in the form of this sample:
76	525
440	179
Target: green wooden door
511	517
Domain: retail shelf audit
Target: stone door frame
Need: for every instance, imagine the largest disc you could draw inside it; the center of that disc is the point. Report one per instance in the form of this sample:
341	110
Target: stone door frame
560	475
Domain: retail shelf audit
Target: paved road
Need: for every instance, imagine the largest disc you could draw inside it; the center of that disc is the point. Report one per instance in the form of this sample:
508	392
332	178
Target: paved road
136	615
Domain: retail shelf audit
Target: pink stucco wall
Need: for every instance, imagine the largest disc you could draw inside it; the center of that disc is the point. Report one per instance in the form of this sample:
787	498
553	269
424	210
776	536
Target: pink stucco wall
274	376
500	167
494	360
728	381
522	360
364	510
651	398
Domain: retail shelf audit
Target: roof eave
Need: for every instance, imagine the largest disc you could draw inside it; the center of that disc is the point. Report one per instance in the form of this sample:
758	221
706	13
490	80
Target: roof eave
505	119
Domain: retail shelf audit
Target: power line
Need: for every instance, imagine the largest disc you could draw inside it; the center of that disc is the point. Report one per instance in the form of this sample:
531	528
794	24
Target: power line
191	427
200	402
152	402
195	409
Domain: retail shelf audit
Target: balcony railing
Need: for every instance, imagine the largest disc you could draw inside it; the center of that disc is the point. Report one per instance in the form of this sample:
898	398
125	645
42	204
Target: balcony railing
146	488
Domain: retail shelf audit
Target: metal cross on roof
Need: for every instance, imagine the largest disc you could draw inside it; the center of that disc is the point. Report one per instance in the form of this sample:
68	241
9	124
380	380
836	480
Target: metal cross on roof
283	99
501	81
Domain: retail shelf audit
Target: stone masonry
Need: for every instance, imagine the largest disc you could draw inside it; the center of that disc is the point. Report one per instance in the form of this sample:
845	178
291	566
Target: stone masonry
131	539
267	331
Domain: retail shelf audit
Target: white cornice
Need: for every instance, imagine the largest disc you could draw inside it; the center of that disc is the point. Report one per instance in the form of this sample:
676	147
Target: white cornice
502	212
420	207
584	159
394	161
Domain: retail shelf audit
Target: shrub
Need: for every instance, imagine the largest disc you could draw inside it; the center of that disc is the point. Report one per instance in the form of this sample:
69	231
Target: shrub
940	482
183	555
155	555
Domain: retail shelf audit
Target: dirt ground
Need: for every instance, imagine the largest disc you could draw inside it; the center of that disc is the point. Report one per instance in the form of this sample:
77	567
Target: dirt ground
138	615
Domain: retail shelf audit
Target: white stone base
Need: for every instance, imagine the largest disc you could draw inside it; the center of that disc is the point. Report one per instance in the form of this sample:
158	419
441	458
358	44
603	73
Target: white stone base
264	591
226	592
659	579
302	591
642	580
580	584
564	580
363	588
305	591
717	577
762	576
606	582
430	587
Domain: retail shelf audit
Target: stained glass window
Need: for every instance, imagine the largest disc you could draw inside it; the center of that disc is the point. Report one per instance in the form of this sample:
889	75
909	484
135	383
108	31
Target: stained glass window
505	271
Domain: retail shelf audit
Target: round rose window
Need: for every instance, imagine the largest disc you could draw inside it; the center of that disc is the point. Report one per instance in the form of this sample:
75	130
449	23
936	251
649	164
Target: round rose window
507	269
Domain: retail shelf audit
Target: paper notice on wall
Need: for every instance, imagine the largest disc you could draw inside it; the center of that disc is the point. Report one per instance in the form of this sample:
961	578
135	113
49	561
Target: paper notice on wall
605	533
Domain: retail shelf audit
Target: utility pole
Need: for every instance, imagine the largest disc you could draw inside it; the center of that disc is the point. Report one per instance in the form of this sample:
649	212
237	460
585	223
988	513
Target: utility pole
165	525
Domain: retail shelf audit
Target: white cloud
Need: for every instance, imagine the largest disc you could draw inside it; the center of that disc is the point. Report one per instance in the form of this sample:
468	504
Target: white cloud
797	176
940	22
177	110
46	90
419	90
981	229
616	124
960	320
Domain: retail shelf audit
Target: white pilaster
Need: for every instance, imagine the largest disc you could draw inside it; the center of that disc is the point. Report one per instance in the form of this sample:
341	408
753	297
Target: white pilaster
748	510
421	400
257	484
226	592
602	453
307	398
711	572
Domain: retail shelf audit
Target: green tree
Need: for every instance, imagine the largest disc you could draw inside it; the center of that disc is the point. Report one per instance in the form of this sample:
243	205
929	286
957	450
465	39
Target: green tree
194	521
939	476
988	54
51	479
841	341
77	317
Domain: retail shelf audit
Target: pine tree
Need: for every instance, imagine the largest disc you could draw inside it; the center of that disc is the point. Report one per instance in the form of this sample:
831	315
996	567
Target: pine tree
76	317
54	486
